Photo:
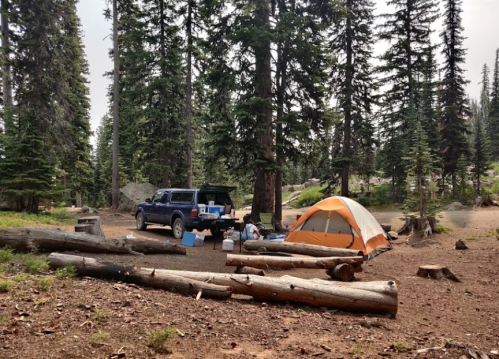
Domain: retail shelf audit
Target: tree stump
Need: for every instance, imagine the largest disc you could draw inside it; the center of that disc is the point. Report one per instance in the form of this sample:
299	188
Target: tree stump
84	228
436	272
94	224
342	272
485	201
412	223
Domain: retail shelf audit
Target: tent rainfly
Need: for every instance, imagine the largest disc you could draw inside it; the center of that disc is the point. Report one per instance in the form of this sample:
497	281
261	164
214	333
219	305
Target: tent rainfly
342	223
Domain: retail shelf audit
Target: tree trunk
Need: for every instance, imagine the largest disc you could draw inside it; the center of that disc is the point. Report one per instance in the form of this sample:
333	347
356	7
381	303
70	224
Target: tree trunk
379	297
343	272
57	240
300	248
188	115
347	106
116	109
146	277
6	78
291	262
263	194
78	199
95	223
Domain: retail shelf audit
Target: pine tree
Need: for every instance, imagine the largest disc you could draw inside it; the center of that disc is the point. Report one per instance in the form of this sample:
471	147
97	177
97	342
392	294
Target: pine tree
454	105
493	123
116	108
485	95
421	167
407	30
76	158
481	153
353	81
39	129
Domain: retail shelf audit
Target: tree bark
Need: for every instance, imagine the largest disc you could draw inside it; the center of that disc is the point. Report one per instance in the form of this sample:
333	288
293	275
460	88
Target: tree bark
188	106
263	194
146	277
57	240
116	110
291	262
343	272
6	78
250	270
300	248
373	297
95	223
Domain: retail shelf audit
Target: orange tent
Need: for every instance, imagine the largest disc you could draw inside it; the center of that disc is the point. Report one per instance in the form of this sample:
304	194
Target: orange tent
343	223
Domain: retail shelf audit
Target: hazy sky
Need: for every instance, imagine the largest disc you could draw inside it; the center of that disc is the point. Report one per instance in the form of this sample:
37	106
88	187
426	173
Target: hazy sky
480	21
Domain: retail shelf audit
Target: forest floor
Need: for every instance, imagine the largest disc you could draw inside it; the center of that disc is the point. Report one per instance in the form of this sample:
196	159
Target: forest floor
92	318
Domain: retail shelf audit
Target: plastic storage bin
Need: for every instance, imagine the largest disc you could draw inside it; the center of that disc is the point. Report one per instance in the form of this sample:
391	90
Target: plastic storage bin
192	240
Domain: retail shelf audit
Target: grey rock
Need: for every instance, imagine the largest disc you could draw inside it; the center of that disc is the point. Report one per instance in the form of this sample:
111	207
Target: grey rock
135	193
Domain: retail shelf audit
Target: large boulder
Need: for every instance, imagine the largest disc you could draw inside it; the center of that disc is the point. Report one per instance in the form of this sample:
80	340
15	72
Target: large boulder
135	193
454	206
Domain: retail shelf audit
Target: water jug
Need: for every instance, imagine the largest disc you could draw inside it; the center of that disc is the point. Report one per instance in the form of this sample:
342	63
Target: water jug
228	245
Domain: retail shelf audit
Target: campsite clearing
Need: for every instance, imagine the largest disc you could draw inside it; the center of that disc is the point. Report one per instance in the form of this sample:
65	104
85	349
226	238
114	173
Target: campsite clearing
92	318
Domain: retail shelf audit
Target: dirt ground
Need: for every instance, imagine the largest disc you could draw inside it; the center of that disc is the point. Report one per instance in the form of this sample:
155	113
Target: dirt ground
93	318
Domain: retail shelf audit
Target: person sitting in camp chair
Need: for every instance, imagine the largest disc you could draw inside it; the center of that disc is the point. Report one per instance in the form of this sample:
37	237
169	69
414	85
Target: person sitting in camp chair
250	231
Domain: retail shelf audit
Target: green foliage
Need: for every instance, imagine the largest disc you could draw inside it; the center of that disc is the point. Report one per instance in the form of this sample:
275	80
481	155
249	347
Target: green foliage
6	254
66	272
22	219
158	339
381	195
100	315
309	197
43	283
5	285
35	265
402	347
99	336
357	351
443	229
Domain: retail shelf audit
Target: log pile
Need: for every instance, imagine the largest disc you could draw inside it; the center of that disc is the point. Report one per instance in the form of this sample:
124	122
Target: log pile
56	240
377	297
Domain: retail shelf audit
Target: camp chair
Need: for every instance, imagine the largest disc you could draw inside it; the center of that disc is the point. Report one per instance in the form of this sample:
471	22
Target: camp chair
267	221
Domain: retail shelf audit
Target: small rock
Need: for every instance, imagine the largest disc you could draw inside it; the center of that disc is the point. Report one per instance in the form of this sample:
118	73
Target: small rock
393	235
460	245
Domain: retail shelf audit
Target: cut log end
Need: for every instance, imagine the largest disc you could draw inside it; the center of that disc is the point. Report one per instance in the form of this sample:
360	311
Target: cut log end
436	272
342	272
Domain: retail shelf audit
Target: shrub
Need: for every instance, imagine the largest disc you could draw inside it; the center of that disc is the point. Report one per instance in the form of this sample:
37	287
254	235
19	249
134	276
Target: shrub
69	271
381	195
5	285
43	283
309	197
158	339
6	254
34	265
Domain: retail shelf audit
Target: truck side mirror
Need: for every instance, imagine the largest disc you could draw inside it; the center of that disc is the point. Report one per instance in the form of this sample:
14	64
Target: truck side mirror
148	200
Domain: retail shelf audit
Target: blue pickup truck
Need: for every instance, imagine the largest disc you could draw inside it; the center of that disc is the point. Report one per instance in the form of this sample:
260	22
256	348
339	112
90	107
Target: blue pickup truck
185	209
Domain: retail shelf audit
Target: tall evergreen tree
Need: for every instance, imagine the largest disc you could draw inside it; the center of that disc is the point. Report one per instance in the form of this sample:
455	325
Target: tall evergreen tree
116	108
407	30
485	95
353	81
493	123
39	129
455	109
481	152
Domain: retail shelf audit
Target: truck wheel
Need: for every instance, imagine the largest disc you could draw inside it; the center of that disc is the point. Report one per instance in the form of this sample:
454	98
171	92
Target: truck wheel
141	224
178	228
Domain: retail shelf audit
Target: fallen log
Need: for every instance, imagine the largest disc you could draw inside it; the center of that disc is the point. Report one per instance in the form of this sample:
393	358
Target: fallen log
250	270
93	226
374	297
301	248
291	262
146	277
343	272
436	272
56	240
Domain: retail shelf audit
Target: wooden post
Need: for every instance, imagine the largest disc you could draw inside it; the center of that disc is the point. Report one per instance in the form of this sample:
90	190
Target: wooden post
95	226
